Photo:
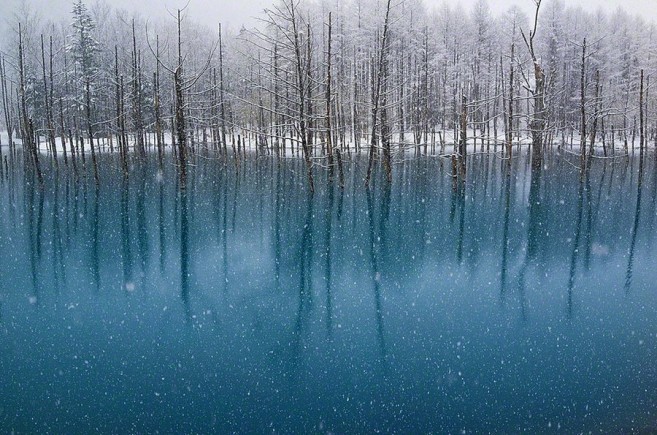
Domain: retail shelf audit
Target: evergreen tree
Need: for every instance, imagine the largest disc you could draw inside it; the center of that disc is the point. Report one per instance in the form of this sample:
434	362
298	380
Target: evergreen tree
82	46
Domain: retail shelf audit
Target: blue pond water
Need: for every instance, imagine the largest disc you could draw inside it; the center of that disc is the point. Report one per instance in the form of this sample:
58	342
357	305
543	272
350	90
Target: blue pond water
521	301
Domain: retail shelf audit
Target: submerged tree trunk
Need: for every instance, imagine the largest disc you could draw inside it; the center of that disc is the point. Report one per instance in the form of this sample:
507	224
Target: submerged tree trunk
180	126
642	140
90	131
136	95
509	133
309	87
376	94
29	139
122	131
63	130
302	93
180	113
329	133
538	94
48	102
463	140
159	136
6	105
385	127
582	103
596	114
222	103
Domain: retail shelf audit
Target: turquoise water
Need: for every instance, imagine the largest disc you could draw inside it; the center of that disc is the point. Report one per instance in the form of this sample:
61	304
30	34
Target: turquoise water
518	301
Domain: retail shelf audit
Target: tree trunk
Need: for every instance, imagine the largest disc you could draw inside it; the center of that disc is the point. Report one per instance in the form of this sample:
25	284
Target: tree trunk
376	95
463	140
385	127
582	140
136	97
302	93
509	133
222	103
642	140
90	131
47	102
159	138
596	113
6	105
180	112
329	133
29	140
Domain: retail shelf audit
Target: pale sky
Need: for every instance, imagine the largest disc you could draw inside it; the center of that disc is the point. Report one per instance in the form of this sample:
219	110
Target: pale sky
234	13
645	8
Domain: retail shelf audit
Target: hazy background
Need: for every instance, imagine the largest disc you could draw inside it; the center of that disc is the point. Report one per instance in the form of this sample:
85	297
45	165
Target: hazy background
235	13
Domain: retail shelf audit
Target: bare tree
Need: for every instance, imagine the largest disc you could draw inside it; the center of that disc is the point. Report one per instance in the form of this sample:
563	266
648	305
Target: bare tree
6	105
29	139
47	95
537	124
381	70
329	132
182	84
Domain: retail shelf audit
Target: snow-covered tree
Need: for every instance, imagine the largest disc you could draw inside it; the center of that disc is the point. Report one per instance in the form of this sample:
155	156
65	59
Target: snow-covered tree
82	45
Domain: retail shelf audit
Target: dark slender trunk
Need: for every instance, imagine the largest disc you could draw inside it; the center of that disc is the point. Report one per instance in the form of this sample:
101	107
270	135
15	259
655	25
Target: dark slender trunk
385	127
47	102
329	133
122	132
29	140
309	88
63	130
222	102
376	95
180	113
136	97
158	116
509	132
90	131
642	139
583	102
302	102
596	113
463	141
118	84
6	106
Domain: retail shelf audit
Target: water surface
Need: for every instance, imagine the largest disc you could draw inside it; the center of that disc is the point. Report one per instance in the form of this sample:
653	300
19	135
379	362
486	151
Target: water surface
518	301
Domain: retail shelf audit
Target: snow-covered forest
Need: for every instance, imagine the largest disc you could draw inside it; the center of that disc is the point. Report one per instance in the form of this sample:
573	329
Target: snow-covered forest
327	78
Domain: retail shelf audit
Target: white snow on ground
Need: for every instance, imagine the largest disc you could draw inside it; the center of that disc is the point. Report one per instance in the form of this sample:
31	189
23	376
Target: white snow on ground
449	141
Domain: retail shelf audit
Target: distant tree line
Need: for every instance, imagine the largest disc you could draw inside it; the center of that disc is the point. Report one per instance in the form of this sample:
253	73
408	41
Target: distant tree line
324	80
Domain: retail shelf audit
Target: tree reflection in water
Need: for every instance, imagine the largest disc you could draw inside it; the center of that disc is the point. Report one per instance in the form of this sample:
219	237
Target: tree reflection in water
269	305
